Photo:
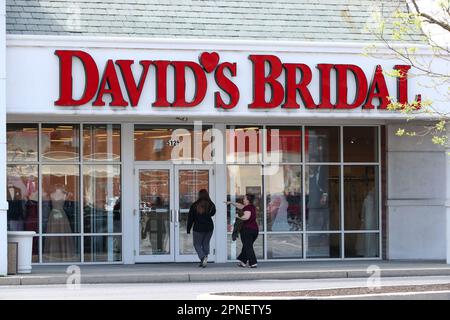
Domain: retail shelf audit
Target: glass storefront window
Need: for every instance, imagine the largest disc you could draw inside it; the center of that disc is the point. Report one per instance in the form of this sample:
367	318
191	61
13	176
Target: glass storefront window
22	142
360	144
243	144
285	246
322	144
55	211
61	249
338	197
284	199
101	199
361	198
60	199
102	249
22	194
175	143
284	144
361	245
244	180
60	142
35	250
101	142
323	245
322	184
235	247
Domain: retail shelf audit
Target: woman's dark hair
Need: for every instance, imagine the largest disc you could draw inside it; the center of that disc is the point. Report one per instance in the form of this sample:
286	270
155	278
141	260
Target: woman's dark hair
250	197
203	202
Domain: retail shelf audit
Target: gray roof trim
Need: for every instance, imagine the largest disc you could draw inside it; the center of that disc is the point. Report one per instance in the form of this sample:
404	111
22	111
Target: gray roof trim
300	20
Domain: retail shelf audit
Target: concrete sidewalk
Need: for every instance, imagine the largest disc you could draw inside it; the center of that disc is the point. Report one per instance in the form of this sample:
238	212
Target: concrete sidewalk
190	272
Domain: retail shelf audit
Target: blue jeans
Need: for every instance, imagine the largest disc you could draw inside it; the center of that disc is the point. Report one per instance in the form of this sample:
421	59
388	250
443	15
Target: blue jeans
201	243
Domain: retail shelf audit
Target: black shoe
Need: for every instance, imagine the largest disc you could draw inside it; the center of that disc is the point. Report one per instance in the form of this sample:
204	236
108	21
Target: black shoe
254	265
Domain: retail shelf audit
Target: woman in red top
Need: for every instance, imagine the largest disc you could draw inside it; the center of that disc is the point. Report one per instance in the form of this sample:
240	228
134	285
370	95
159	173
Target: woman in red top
249	231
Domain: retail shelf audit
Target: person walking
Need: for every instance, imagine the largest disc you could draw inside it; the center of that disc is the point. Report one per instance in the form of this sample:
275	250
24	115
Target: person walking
248	232
200	216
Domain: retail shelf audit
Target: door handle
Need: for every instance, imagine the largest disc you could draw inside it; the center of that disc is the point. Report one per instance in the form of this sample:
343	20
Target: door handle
171	215
177	212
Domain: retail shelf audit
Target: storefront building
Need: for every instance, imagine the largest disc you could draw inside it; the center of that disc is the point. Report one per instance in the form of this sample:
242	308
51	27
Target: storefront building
111	130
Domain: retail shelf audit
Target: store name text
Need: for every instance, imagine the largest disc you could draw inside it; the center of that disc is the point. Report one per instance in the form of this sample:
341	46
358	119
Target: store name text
282	93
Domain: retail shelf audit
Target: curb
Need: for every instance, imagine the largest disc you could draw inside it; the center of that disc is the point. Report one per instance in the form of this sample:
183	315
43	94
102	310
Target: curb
387	296
219	276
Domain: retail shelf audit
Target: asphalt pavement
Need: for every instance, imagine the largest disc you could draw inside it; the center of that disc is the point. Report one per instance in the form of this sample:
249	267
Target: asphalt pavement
206	290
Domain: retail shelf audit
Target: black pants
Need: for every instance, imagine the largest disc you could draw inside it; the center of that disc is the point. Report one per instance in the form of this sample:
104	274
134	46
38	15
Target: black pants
248	237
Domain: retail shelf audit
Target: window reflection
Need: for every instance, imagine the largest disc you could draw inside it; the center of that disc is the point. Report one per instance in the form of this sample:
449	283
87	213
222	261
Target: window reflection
22	142
361	245
60	142
235	247
154	202
361	197
284	199
190	182
101	196
102	248
285	246
323	245
60	212
284	144
61	249
60	199
101	142
360	144
22	194
322	144
163	143
322	198
244	180
244	144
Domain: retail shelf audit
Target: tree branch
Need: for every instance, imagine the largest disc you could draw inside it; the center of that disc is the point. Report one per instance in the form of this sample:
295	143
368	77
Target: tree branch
429	18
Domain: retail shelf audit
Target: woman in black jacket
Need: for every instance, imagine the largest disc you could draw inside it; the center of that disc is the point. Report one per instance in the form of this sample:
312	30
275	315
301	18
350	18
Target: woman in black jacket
200	215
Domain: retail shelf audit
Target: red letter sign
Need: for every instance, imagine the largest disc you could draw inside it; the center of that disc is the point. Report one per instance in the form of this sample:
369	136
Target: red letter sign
361	86
180	83
226	85
110	78
325	70
134	91
260	80
65	77
292	86
378	84
161	83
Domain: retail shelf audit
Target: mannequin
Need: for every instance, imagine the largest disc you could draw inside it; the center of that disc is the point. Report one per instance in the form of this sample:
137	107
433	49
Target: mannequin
32	219
59	248
31	210
366	246
280	221
15	208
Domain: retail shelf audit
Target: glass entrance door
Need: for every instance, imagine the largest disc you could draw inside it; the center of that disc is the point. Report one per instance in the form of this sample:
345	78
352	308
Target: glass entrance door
189	181
154	214
164	195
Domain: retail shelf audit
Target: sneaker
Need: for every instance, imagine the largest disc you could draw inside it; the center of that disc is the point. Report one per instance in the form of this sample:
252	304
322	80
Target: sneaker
204	262
242	265
254	265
